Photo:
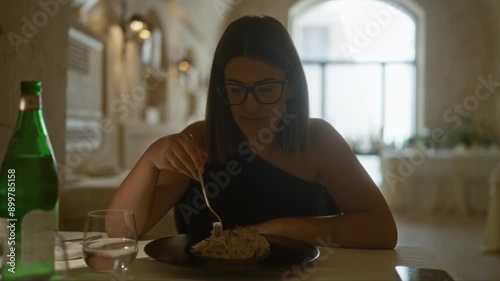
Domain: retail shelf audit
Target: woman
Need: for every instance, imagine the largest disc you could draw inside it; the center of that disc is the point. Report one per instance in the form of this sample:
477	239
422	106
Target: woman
265	163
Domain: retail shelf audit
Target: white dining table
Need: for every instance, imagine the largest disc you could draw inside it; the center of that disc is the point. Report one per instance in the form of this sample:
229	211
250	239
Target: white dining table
438	180
332	264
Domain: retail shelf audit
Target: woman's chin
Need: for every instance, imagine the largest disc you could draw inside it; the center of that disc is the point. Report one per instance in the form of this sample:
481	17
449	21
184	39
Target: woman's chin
249	135
256	128
251	132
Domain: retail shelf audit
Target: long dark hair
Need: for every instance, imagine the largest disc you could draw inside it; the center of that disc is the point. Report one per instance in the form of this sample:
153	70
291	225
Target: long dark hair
262	38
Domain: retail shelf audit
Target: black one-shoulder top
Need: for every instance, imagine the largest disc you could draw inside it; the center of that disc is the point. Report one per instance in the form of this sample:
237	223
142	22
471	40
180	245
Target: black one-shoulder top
246	191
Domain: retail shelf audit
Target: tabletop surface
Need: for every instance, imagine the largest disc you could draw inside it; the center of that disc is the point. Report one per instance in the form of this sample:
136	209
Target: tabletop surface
333	264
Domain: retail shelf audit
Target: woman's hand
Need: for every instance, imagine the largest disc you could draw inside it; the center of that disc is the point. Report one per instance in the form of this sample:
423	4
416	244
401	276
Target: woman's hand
178	153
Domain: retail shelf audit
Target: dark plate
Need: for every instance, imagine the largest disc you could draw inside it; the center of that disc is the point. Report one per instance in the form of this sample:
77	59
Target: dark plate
284	252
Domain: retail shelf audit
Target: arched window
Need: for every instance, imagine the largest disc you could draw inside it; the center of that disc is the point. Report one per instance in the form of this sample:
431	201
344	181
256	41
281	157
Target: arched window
360	58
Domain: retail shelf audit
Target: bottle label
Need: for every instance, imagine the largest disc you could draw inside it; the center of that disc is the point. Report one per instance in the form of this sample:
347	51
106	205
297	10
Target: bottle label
37	237
30	102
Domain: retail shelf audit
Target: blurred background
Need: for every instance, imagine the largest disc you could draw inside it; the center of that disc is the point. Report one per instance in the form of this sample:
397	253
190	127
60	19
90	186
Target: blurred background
412	85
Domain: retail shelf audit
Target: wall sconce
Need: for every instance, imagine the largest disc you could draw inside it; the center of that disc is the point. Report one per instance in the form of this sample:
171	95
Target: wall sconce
136	23
185	68
139	26
184	65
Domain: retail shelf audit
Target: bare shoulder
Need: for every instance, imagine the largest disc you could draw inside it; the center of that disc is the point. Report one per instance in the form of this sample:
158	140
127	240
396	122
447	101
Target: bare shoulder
326	140
323	133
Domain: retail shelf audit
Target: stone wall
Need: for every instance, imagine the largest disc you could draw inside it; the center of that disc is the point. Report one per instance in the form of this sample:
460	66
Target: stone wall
32	38
462	44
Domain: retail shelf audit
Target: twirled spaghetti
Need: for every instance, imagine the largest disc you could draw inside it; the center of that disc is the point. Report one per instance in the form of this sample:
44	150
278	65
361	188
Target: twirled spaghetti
239	243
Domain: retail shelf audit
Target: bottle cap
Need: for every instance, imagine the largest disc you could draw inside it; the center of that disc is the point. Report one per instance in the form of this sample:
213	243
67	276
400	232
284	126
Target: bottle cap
31	86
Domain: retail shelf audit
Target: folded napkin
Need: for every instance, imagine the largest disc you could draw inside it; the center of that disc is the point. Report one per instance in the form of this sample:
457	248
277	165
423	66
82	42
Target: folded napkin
73	250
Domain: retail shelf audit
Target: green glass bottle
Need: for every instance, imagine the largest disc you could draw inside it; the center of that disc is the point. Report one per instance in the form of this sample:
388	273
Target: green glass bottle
28	194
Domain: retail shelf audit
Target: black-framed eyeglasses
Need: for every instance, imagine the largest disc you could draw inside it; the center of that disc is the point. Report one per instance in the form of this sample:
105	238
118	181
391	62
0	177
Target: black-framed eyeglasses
265	93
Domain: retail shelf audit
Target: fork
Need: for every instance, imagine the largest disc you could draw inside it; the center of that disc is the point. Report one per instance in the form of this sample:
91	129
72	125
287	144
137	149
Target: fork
216	221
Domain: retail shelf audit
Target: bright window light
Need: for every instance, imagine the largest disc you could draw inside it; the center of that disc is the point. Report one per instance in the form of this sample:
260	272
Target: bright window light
368	51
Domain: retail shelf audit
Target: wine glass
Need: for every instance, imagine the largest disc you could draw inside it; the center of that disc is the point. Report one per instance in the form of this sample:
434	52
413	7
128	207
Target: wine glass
110	240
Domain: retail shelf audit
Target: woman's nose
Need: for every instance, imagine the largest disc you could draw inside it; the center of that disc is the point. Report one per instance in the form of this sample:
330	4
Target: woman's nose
250	100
